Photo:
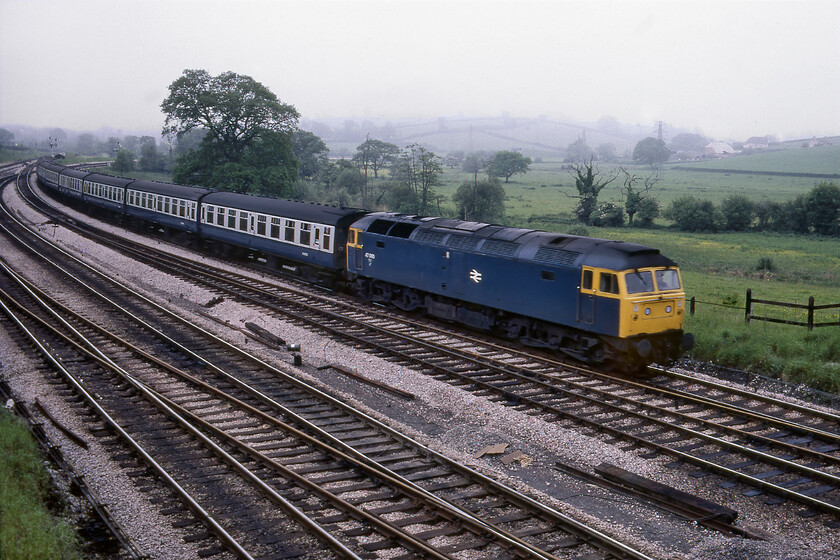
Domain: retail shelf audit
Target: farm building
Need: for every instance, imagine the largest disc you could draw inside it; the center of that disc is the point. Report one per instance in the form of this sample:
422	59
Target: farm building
719	149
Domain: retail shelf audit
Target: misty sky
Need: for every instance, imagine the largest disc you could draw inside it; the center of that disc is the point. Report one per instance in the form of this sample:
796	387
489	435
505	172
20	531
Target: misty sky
730	69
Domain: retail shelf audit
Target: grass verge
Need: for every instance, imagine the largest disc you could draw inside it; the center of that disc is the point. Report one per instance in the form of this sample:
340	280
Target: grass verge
28	531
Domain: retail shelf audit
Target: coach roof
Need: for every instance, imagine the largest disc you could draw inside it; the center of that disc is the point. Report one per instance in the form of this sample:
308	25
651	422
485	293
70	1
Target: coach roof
315	213
168	189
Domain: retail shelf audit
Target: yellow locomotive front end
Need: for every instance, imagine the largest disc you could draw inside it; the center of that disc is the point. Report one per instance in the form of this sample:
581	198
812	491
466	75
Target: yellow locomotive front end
653	302
653	312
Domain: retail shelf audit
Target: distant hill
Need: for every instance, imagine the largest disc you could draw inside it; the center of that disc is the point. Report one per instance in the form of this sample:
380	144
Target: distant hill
534	137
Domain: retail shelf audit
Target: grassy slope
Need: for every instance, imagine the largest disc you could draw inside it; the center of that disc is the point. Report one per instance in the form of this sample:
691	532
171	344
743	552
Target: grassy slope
27	530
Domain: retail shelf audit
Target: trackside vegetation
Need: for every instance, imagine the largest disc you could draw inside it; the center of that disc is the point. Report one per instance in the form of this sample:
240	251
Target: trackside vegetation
28	531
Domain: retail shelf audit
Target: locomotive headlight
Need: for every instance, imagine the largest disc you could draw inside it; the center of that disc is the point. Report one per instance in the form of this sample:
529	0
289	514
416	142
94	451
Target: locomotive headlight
635	309
667	309
647	310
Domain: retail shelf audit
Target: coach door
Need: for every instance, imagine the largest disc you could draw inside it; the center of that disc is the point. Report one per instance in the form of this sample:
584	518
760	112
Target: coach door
586	297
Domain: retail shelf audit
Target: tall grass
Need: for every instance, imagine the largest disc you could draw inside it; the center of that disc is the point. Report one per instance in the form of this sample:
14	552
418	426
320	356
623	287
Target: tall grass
27	529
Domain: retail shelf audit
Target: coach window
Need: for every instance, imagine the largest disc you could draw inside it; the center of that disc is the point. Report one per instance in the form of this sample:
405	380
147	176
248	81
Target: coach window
231	214
261	220
609	283
274	233
305	234
220	218
243	220
166	205
327	238
290	231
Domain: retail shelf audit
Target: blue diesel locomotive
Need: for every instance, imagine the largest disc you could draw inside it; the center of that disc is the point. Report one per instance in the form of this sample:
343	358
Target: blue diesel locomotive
599	301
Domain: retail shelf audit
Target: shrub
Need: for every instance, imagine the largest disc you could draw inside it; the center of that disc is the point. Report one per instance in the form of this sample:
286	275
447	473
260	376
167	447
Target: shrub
691	214
738	213
765	264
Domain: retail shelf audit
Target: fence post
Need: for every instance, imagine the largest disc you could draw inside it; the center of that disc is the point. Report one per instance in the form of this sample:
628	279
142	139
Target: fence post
811	313
691	306
748	306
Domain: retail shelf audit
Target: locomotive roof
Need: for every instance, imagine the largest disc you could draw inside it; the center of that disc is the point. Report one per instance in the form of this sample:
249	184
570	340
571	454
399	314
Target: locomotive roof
169	189
523	244
309	212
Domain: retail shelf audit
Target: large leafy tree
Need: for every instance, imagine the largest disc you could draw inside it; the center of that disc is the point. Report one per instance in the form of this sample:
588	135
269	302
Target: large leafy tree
416	172
248	132
311	151
651	151
480	201
506	164
375	154
372	155
7	137
268	167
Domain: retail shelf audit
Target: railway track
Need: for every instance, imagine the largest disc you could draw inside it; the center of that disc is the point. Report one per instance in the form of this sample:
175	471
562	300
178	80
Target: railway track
789	452
371	490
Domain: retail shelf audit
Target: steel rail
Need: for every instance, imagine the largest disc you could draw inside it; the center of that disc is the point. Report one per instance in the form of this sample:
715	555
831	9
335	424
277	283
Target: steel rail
217	529
90	349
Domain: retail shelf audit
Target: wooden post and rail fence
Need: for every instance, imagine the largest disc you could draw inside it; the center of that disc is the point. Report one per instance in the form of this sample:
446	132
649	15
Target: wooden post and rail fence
749	315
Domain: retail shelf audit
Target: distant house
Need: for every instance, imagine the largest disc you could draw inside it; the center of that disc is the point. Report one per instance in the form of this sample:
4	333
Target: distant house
718	149
757	143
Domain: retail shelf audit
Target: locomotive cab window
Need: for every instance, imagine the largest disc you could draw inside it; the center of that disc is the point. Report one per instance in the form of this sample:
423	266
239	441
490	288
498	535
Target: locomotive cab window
547	275
609	283
586	281
639	281
667	279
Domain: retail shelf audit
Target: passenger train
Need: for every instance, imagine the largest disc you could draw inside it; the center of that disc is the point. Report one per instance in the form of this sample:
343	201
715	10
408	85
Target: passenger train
603	302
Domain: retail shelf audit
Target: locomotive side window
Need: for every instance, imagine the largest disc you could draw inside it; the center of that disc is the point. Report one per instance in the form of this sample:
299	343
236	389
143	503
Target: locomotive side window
586	283
547	275
609	283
